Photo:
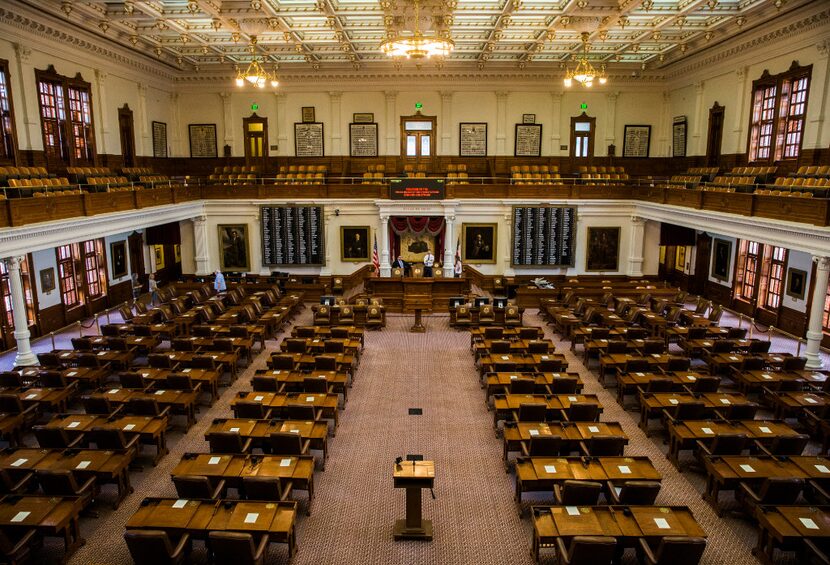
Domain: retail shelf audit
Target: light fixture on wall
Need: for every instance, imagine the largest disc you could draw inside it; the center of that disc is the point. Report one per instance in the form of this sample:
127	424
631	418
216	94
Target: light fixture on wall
256	74
584	73
415	44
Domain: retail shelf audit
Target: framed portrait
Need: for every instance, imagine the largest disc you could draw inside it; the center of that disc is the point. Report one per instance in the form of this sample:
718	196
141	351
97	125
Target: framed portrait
233	247
308	114
363	117
528	118
118	252
158	254
796	283
479	243
636	141
721	258
603	252
680	259
354	243
47	279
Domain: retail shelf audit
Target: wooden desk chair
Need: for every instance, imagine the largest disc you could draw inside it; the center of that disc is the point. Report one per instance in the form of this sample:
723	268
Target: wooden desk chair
499	346
295	345
205	362
581	412
603	446
228	442
538	346
302	412
512	316
264	383
577	493
238	548
325	363
8	485
616	346
542	446
794	364
774	491
530	413
264	488
374	317
529	332
323	316
586	550
282	362
17	546
146	407
651	346
182	381
161	361
11	379
283	443
113	439
199	487
683	411
346	315
788	446
54	438
563	385
677	364
637	366
53	379
736	333
554	365
183	344
703	384
99	405
636	333
759	347
81	344
745	411
672	550
61	482
312	384
640	493
656	385
492	333
305	331
133	381
152	547
334	347
486	315
724	444
522	386
200	331
251	410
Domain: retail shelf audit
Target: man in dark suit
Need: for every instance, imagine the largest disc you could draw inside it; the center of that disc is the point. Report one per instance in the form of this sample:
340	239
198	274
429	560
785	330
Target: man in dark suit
399	263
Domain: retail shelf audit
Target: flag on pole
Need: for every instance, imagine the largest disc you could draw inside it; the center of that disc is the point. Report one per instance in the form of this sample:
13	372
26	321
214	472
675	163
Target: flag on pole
375	258
458	265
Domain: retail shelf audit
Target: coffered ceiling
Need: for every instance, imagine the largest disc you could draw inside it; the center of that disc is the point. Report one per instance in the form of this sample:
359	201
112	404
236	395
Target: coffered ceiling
215	36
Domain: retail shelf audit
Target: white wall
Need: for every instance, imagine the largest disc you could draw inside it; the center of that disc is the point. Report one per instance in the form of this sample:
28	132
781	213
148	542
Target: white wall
804	262
733	255
108	241
45	259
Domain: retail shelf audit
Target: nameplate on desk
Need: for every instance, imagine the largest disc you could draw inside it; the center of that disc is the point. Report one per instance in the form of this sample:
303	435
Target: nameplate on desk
71	373
572	510
707	431
83	464
593	429
251	517
822	469
285	462
19	462
73	424
258	398
624	469
187	370
31	396
747	468
113	391
309	399
234	430
533	432
810	400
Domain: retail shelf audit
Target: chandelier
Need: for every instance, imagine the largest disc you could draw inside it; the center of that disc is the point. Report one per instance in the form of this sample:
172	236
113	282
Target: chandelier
256	74
585	73
416	45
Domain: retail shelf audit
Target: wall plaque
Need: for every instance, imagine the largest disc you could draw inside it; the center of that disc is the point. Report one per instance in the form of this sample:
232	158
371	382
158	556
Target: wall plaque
636	141
363	140
202	140
308	140
678	136
159	139
472	139
528	140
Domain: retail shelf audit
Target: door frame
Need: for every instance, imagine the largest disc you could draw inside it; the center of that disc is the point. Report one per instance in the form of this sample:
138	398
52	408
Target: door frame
251	160
126	132
713	150
583	117
418	117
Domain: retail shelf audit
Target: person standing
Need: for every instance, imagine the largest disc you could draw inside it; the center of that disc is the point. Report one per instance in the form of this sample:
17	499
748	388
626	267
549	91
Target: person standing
219	282
429	261
153	287
136	286
458	268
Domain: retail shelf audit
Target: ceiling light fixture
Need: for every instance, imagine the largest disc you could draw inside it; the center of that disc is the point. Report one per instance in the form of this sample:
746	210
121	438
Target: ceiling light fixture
255	74
585	73
415	44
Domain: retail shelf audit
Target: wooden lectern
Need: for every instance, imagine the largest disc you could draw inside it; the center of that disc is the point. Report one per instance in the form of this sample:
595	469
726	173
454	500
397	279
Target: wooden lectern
414	476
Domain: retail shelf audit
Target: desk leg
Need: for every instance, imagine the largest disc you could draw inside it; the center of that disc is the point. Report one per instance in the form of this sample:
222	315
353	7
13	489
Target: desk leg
418	327
414	526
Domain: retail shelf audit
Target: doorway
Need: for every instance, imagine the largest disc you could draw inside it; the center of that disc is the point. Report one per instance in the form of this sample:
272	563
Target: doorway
715	135
255	131
418	136
135	243
127	133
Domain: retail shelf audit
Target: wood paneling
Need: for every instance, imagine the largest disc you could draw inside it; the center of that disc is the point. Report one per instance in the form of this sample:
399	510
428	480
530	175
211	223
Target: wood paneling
718	293
792	321
51	319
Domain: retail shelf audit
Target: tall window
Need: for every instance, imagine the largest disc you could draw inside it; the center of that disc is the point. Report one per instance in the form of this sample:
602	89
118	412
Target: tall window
66	276
825	321
8	135
747	278
66	118
93	269
776	261
779	107
582	136
5	290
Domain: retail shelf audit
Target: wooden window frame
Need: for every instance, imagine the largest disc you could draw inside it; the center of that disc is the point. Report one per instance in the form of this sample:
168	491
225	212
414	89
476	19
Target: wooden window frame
95	281
583	118
8	129
788	115
71	275
433	135
775	278
77	144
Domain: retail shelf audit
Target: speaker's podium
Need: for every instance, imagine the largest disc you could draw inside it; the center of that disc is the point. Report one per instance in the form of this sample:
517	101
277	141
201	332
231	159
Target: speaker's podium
414	476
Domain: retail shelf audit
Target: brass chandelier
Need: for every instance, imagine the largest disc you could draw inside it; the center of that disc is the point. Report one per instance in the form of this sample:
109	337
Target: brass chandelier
584	73
256	74
415	44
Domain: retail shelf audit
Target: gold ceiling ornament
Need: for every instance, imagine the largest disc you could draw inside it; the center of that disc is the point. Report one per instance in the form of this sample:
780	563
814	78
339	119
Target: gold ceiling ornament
134	40
129	7
584	73
193	6
255	74
66	6
104	25
415	44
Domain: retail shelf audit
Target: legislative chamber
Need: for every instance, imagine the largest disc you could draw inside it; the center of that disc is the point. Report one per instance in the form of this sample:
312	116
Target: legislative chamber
421	281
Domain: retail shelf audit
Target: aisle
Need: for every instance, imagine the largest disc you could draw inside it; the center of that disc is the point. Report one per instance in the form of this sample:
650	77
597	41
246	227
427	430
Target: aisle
355	507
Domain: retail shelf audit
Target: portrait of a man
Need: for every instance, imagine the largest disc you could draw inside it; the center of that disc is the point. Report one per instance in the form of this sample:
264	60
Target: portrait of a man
354	241
233	247
721	258
796	284
603	249
479	242
118	250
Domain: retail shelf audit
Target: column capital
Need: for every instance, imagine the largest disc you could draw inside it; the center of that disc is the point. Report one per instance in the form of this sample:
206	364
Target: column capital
446	94
502	94
613	95
280	95
637	220
226	97
556	95
335	95
13	263
449	218
823	47
199	219
384	218
822	263
390	94
699	86
101	75
23	53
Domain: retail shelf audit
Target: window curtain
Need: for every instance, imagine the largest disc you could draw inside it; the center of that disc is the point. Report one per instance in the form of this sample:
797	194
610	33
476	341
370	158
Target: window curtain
432	225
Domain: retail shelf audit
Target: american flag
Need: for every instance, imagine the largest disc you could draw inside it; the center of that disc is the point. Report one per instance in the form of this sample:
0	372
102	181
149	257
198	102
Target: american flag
375	258
458	253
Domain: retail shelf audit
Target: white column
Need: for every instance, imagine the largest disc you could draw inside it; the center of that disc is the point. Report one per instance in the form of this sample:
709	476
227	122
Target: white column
336	135
449	255
501	122
664	128
176	128
332	235
814	333
227	121
740	102
201	255
145	144
635	255
698	138
31	125
505	244
103	115
391	124
281	131
21	324
820	92
555	127
446	122
610	119
385	267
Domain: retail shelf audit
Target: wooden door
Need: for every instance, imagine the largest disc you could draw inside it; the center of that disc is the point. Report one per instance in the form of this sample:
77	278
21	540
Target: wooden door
418	137
697	285
255	131
127	133
136	250
715	136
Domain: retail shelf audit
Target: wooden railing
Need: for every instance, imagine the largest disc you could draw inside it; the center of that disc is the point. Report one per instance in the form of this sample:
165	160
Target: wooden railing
21	211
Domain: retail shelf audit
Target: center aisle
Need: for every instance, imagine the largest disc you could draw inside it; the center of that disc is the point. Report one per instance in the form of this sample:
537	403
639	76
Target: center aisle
355	505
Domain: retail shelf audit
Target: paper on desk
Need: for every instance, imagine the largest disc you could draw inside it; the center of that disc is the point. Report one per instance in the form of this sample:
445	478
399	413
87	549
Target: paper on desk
309	399
505	357
640	374
19	462
572	399
733	358
809	523
31	396
691	377
83	464
285	462
624	469
159	392
764	430
180	503
593	429
662	523
810	400
822	469
71	373
707	431
747	468
129	427
572	510
112	391
533	432
214	460
673	400
551	469
73	424
294	431
725	401
187	370
276	372
20	516
251	517
514	377
258	398
234	430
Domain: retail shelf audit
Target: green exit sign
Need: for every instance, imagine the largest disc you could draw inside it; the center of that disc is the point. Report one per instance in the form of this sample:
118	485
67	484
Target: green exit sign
254	107
418	105
583	106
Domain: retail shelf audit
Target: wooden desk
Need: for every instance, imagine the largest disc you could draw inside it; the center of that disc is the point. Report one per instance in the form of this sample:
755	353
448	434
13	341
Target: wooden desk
293	381
542	473
326	403
199	517
207	378
722	363
55	516
181	402
616	362
413	476
260	430
788	404
436	292
627	383
499	383
625	523
571	433
783	528
505	405
652	404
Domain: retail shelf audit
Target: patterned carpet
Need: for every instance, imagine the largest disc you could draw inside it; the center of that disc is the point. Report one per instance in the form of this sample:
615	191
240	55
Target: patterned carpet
474	516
